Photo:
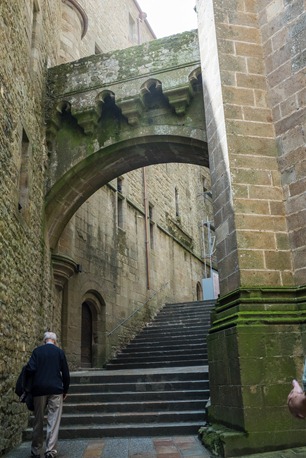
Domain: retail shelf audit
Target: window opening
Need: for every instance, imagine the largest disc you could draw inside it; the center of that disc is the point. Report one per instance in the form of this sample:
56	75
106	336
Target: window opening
132	29
86	336
97	49
119	203
177	208
24	172
151	226
119	184
34	33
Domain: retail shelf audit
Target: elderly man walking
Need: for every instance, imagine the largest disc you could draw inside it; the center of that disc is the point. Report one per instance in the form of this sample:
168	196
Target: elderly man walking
50	376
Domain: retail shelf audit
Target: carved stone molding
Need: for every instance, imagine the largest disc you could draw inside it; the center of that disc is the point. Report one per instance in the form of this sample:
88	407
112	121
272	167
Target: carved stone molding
179	98
63	268
131	109
54	121
88	119
81	14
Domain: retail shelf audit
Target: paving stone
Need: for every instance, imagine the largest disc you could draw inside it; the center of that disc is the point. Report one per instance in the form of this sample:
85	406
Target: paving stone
116	448
145	447
141	446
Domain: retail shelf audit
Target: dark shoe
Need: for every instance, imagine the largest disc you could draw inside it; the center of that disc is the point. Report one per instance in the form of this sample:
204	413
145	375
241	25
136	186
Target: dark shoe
49	455
34	456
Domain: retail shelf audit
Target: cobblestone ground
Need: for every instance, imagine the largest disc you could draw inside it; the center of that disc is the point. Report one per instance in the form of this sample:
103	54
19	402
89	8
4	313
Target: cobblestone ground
156	447
143	447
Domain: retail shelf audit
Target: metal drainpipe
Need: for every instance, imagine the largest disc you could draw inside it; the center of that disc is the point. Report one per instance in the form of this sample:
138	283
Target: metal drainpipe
140	18
145	203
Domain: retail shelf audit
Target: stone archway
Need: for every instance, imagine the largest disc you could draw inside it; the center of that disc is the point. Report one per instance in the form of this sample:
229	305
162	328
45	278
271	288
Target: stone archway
90	174
253	249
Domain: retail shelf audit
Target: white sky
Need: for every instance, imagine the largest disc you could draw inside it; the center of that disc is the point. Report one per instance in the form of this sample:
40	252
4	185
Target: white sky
168	17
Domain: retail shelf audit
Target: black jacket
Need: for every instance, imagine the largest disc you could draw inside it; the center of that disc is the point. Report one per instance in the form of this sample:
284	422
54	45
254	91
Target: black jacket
49	370
23	389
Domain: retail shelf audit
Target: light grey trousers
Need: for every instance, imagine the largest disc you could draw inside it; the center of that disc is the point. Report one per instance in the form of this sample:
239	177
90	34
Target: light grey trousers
54	405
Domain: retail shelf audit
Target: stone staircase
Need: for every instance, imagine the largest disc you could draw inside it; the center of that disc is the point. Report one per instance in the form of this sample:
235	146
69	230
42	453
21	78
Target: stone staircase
176	337
157	385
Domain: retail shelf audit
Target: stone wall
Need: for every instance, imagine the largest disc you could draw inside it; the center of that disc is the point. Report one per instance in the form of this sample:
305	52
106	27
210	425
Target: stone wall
91	27
30	42
110	244
283	30
27	35
254	112
244	165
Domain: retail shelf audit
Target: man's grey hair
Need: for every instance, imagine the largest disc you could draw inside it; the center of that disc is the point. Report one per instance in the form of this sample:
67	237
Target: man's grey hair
50	335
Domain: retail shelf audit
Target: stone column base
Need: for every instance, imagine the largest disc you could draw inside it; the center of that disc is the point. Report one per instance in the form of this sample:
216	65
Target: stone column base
256	347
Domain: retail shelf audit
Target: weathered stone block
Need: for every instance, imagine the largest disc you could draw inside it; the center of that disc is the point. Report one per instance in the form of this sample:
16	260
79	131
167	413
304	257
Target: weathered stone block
251	259
278	260
245	49
238	96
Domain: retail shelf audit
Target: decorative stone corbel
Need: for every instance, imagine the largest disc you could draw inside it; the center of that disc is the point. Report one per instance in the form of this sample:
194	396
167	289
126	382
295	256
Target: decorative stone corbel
131	109
53	125
195	77
63	268
54	121
179	98
88	119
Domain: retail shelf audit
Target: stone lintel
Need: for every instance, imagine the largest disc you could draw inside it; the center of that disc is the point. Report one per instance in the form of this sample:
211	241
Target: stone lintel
63	268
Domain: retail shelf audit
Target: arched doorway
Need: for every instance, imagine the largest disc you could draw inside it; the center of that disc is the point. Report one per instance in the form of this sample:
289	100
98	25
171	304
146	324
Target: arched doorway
92	330
86	336
199	292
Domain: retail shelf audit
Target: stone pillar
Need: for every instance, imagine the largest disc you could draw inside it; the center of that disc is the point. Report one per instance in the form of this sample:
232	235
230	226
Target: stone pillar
63	269
250	221
255	344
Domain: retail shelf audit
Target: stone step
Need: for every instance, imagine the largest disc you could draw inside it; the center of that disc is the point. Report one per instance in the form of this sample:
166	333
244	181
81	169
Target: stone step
128	406
186	314
188	335
167	356
184	310
133	396
154	375
157	385
142	387
94	418
161	364
167	340
144	348
202	305
128	418
179	352
122	430
175	327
